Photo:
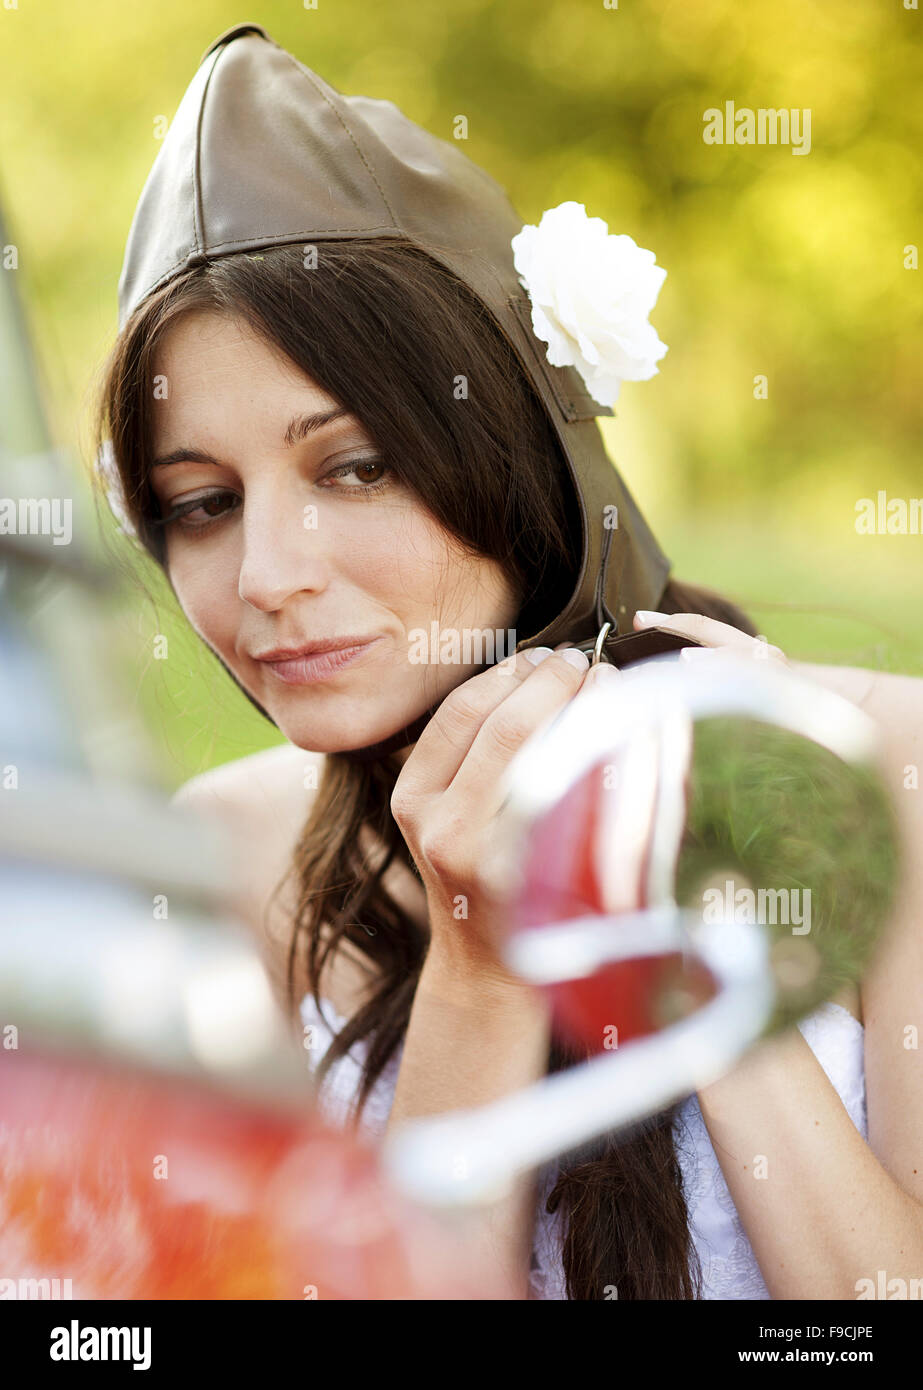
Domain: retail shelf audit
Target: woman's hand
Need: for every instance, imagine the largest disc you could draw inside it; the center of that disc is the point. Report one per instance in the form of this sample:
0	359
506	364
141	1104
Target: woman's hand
449	789
711	633
477	1032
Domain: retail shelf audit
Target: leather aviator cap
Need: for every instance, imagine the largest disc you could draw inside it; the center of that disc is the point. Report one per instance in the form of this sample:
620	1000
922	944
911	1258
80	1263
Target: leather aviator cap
263	152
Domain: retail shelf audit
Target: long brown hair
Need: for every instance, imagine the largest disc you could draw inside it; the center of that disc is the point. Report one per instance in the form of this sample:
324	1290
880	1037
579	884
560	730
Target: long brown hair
386	330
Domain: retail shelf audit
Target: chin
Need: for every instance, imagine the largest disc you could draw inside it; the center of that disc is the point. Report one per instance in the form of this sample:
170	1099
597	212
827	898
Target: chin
340	736
323	720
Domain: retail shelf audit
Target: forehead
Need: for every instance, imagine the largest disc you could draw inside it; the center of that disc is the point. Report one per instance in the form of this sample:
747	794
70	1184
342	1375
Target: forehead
210	367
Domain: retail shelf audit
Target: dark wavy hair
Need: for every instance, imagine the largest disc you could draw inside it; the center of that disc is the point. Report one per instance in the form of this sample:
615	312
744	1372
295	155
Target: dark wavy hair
385	329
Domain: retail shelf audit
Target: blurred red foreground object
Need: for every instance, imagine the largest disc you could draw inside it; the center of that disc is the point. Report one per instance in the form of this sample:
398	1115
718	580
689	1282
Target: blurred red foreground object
560	883
133	1187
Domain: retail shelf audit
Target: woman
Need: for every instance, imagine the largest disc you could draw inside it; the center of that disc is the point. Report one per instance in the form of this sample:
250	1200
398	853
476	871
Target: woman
327	442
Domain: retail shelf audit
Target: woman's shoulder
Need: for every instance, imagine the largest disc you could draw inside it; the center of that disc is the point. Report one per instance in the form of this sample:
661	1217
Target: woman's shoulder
279	780
264	799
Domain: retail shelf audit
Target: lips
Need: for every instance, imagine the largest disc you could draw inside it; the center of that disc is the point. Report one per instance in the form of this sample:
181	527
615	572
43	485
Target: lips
324	644
315	661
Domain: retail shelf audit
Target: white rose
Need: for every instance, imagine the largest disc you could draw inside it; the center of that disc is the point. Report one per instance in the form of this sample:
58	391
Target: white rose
591	294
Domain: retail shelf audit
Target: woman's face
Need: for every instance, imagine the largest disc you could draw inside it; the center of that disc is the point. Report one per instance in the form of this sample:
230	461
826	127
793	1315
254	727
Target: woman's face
292	534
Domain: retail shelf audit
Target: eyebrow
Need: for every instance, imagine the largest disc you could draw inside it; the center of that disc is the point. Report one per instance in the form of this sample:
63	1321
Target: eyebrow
299	427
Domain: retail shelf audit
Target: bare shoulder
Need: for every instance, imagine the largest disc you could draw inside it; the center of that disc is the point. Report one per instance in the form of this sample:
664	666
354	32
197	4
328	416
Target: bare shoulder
278	781
265	800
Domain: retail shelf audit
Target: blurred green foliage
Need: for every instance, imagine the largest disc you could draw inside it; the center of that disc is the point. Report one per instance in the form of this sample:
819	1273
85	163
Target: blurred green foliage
772	810
791	267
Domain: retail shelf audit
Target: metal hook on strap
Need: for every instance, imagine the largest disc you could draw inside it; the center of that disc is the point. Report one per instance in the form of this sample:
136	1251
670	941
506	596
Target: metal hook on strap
598	649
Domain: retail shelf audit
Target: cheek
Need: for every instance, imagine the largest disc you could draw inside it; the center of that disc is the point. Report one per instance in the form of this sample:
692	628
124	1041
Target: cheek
207	594
463	589
396	556
430	574
408	557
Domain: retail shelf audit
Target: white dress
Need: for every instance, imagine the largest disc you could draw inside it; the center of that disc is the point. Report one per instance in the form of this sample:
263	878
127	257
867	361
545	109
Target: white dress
729	1268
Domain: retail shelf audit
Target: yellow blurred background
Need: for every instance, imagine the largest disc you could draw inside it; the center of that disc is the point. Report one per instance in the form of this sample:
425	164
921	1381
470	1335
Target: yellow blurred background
790	267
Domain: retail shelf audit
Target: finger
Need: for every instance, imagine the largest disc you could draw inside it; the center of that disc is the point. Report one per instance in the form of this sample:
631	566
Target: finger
446	739
759	650
603	675
691	653
552	685
707	630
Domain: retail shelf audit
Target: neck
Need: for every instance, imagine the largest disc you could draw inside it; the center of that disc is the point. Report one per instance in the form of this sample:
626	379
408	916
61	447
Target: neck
399	743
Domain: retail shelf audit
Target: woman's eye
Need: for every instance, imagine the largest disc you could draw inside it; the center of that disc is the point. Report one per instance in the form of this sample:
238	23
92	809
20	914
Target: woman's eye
211	507
372	474
198	513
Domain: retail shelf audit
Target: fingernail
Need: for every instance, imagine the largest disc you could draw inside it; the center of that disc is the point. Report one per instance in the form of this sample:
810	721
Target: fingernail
604	673
648	618
575	657
689	653
537	654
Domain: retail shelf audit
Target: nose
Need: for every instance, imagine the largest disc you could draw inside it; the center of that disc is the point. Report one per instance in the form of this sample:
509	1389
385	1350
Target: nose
281	555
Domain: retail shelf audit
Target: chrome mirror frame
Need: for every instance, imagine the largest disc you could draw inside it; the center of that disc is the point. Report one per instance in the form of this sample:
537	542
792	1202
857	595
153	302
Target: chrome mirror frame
468	1158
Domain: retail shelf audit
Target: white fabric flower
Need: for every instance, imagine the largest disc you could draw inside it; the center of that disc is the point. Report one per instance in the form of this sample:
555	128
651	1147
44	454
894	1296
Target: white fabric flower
112	484
591	294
